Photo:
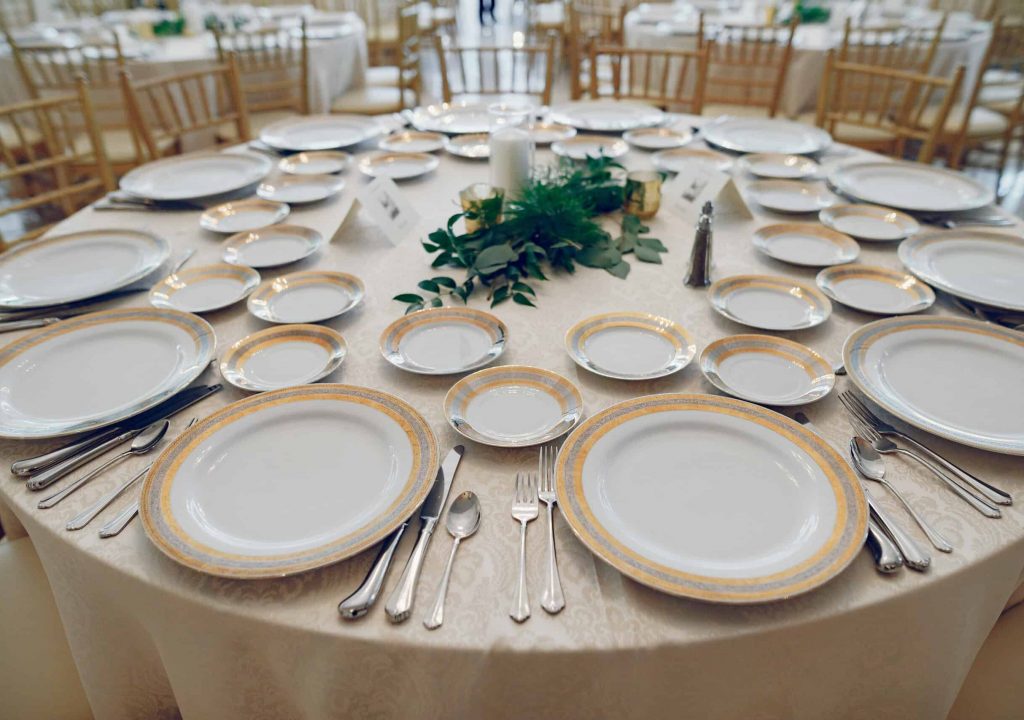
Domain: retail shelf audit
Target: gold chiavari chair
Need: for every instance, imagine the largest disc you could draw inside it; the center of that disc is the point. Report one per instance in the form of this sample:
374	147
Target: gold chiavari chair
407	21
591	22
893	46
887	103
1003	78
273	69
670	79
40	151
496	72
747	69
979	8
165	110
16	14
382	36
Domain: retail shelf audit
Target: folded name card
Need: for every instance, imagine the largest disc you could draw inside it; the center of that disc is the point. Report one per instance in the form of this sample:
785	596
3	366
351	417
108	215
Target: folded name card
687	192
388	208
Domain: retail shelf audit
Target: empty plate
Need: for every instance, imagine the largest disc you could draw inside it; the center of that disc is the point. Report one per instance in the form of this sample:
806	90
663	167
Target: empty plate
681	158
297	189
513	406
778	166
271	246
767	370
875	289
397	165
282	357
204	289
658	138
319	132
630	345
440	341
545	133
475	146
306	297
582	147
317	162
196	175
806	244
241	215
769	302
869	222
412	141
790	196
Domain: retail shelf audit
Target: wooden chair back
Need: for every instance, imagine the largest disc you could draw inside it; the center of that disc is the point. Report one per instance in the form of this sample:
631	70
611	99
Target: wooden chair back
382	36
1007	50
984	9
590	22
41	155
91	8
893	46
896	102
16	14
494	70
749	64
273	66
670	79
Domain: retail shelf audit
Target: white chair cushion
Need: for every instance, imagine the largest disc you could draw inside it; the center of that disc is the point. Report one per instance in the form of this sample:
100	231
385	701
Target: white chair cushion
118	144
382	76
13	141
992	690
850	133
372	100
716	109
983	122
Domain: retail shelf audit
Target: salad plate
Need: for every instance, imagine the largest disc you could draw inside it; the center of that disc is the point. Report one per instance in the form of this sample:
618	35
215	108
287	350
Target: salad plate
306	297
271	246
765	135
452	118
767	370
475	146
305	133
582	147
869	222
875	289
769	302
397	165
630	345
607	115
790	196
679	159
412	141
777	166
806	244
299	189
316	162
284	356
204	289
658	138
442	341
545	133
241	215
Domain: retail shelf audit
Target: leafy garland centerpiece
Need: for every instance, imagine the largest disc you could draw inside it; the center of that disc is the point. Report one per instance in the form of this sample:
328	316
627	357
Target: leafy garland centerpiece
553	221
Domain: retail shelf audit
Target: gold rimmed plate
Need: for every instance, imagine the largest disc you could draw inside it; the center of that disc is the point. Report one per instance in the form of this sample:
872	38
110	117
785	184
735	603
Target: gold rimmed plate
875	289
769	302
680	159
300	189
412	141
475	146
287	481
806	244
442	341
315	162
271	246
779	166
513	406
204	289
750	506
630	345
660	138
306	297
545	133
397	165
281	357
582	147
241	215
767	370
790	197
869	222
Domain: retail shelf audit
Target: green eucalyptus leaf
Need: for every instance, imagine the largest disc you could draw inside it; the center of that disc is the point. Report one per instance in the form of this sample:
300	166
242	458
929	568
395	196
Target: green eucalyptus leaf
429	286
647	254
621	270
522	299
408	298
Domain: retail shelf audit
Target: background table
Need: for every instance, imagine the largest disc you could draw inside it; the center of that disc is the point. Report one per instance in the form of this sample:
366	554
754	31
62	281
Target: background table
149	636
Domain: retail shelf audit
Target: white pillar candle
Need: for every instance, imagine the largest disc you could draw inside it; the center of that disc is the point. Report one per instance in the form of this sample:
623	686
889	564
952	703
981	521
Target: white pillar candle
511	158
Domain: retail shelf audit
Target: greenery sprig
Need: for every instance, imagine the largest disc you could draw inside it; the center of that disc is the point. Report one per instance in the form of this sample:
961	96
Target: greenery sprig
551	222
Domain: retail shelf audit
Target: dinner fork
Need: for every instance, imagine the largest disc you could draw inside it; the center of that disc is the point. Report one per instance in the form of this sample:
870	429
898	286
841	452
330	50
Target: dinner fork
524	509
886	446
989	492
552	599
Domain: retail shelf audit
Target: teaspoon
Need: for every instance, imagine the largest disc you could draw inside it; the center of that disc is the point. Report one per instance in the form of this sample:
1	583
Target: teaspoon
463	520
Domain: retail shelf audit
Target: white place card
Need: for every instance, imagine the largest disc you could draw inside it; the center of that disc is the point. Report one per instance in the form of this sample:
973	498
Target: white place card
388	207
699	183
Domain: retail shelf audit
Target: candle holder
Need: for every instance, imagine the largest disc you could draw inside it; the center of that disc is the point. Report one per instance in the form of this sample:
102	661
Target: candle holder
481	205
511	146
642	194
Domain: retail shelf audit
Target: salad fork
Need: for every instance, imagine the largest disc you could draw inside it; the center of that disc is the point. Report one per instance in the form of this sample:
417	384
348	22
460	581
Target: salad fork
990	493
552	599
524	509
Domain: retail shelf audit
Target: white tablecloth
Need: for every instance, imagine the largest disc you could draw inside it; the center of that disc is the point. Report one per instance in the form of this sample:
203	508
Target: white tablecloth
149	636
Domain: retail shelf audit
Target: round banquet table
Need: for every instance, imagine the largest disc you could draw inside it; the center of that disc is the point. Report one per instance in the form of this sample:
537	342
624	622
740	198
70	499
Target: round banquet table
151	638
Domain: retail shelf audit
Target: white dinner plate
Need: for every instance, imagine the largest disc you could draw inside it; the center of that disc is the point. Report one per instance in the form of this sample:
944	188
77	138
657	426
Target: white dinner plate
452	118
397	165
767	370
711	498
806	244
630	345
875	289
545	133
317	162
60	269
909	186
778	166
442	341
869	222
790	196
679	159
93	370
241	215
983	267
281	357
475	146
271	246
658	138
188	177
582	147
204	289
320	132
513	406
412	141
287	481
606	115
306	297
299	189
765	135
957	378
769	302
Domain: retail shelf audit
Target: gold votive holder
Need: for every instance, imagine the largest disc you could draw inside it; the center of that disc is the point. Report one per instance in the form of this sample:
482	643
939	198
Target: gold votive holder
643	194
475	212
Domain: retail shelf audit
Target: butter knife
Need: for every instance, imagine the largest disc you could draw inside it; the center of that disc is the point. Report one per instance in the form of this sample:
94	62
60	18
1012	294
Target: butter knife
399	604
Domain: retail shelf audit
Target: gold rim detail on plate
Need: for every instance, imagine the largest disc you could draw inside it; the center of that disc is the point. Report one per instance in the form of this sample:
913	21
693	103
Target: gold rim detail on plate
162	293
922	295
719	292
908	225
576	338
259	300
817	368
391	338
763	240
232	367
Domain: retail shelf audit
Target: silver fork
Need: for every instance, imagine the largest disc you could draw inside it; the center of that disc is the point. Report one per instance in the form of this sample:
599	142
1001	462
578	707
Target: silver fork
886	446
990	492
552	599
524	509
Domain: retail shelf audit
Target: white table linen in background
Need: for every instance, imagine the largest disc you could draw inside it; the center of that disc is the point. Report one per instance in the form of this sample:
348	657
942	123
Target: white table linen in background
150	636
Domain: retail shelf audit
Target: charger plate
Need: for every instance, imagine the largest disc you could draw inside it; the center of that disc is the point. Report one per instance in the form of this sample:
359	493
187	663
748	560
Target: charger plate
710	498
288	481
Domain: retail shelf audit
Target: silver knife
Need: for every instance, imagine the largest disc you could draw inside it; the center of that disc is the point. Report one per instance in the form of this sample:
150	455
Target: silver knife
399	604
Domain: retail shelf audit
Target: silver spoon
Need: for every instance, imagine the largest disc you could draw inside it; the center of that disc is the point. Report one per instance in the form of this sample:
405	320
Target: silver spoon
143	443
463	520
871	465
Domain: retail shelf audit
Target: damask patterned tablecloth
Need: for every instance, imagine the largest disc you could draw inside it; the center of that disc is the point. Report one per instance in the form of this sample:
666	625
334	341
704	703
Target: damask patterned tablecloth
152	639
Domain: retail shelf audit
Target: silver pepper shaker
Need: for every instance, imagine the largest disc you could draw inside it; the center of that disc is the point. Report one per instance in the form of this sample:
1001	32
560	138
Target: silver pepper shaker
700	257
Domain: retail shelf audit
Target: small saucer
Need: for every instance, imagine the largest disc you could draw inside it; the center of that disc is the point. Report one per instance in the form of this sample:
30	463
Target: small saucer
475	146
315	162
271	246
442	341
204	289
790	196
660	138
281	357
397	165
306	297
681	158
876	290
869	222
299	189
241	215
769	302
806	244
630	345
777	166
412	141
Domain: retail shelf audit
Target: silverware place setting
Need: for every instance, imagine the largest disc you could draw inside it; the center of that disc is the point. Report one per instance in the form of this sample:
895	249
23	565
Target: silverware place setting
524	510
462	521
552	599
